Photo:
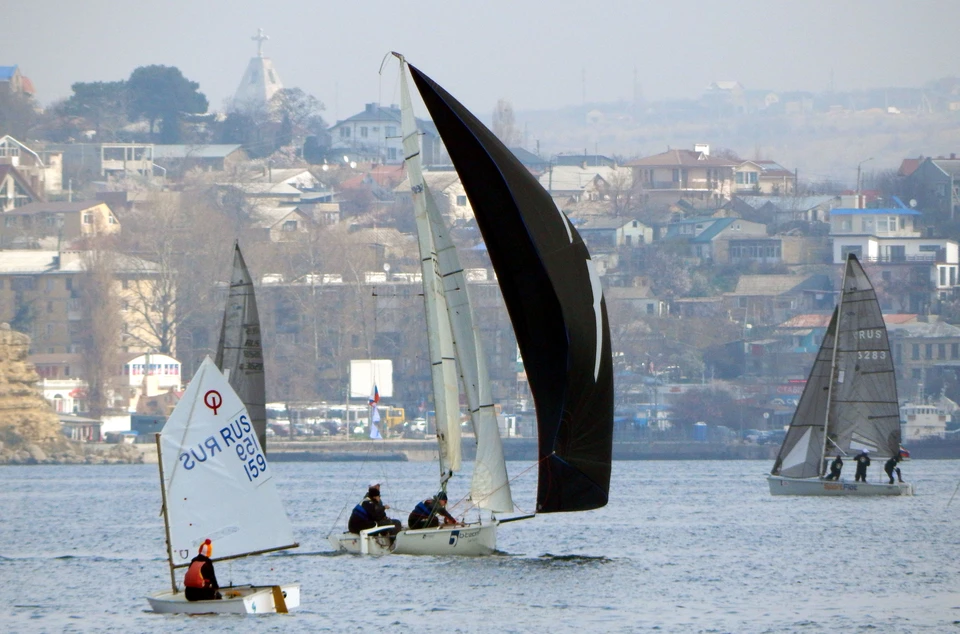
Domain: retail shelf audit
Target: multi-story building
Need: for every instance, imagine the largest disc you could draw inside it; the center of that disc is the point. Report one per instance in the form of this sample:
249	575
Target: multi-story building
690	175
66	221
41	295
374	134
913	270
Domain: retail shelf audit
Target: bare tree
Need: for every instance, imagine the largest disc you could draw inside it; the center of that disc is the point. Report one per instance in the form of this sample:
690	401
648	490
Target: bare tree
103	324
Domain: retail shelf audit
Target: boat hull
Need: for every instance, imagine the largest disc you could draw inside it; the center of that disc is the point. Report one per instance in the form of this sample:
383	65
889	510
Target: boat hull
236	600
471	540
780	485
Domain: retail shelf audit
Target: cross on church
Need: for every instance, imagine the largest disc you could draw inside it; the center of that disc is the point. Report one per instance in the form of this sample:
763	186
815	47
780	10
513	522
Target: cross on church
260	38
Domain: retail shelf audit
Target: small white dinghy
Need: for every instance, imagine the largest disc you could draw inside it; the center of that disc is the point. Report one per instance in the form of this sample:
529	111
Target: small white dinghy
216	484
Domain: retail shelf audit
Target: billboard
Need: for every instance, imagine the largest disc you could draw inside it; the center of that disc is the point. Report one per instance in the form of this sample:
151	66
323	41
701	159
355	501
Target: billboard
365	373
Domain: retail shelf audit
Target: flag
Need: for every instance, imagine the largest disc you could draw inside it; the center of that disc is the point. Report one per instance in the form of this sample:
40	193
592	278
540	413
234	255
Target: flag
376	396
374	430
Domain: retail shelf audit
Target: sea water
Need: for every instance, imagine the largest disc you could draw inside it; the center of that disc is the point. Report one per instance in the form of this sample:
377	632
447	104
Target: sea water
697	546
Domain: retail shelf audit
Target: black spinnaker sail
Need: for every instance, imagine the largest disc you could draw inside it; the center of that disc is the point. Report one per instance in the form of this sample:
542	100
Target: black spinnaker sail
553	295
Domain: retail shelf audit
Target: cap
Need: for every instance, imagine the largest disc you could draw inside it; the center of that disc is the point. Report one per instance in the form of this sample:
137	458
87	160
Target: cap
442	495
375	484
206	548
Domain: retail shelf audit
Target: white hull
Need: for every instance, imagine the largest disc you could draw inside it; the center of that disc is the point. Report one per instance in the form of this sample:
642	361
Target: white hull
236	600
471	540
780	485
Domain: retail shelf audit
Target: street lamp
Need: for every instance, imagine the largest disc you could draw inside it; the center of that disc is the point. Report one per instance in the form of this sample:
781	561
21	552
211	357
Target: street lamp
859	203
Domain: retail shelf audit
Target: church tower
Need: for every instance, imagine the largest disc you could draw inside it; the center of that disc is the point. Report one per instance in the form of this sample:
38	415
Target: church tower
261	80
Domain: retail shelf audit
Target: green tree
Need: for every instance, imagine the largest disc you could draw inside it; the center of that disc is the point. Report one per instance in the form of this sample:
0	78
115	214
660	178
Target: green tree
162	93
102	104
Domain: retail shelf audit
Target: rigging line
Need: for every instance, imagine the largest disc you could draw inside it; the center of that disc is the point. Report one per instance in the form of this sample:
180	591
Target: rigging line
356	478
954	493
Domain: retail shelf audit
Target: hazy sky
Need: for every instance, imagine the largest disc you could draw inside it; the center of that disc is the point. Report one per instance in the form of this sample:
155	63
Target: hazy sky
535	54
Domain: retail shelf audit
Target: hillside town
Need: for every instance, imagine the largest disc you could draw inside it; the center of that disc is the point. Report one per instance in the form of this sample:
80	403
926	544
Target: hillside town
120	209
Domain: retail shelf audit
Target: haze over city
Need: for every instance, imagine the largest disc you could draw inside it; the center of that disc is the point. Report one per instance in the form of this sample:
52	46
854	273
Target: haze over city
538	56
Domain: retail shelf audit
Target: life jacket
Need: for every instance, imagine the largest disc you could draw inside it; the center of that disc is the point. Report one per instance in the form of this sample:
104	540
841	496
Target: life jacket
423	509
194	577
361	513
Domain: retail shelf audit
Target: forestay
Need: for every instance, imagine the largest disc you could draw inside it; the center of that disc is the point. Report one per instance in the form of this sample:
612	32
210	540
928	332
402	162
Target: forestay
217	480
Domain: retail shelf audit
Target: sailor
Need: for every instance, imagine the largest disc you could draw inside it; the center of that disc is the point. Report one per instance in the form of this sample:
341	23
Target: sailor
835	467
371	513
427	514
890	466
863	461
200	582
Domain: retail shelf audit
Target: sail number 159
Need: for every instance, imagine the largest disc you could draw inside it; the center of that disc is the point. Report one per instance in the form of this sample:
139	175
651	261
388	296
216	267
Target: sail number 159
253	461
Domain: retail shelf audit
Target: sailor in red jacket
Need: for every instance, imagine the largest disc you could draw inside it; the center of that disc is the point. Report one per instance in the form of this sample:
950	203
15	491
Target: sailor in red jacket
200	582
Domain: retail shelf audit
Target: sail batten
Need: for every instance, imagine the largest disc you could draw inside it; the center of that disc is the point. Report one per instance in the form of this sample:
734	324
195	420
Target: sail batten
543	269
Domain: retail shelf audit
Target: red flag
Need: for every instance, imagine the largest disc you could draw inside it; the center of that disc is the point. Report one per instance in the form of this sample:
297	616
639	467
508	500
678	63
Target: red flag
376	396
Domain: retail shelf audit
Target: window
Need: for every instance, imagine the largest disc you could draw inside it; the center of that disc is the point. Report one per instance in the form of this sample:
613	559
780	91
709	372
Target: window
344	133
676	176
290	225
915	351
941	351
363	132
928	351
954	350
461	201
23	284
391	130
88	219
392	154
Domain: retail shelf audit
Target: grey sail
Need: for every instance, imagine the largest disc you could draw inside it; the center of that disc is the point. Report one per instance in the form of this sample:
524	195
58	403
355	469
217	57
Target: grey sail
239	352
851	393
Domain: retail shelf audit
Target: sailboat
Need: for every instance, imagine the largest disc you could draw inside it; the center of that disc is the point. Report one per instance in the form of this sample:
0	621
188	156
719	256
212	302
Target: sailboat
216	484
849	402
553	296
239	351
455	353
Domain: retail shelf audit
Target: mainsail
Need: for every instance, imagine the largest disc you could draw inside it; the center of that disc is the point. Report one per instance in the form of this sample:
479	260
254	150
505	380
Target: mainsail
553	295
490	487
852	391
239	352
217	482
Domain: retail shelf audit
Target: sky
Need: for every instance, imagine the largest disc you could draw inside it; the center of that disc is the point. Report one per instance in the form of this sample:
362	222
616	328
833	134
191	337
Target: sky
537	55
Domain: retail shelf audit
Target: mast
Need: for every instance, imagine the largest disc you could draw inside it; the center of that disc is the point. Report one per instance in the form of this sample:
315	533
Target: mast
833	367
440	340
166	518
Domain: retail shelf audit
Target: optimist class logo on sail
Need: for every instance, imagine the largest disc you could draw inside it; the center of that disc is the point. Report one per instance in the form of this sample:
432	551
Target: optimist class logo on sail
237	434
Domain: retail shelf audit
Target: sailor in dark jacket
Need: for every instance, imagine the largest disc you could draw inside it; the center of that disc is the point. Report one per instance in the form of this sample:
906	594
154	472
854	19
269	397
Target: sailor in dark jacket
890	466
835	467
200	582
863	461
371	513
427	514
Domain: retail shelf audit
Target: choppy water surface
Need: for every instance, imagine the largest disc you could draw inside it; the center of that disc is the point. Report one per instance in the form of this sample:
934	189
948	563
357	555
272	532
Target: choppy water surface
683	547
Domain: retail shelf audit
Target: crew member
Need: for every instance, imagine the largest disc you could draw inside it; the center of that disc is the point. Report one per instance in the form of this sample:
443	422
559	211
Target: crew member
200	582
371	513
863	461
890	466
427	514
835	467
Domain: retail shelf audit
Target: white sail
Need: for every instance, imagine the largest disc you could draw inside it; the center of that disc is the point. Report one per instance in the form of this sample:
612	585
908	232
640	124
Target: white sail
490	487
439	336
217	481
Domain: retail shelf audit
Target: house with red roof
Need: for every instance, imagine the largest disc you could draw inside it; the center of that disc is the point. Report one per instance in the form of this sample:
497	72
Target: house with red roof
690	175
